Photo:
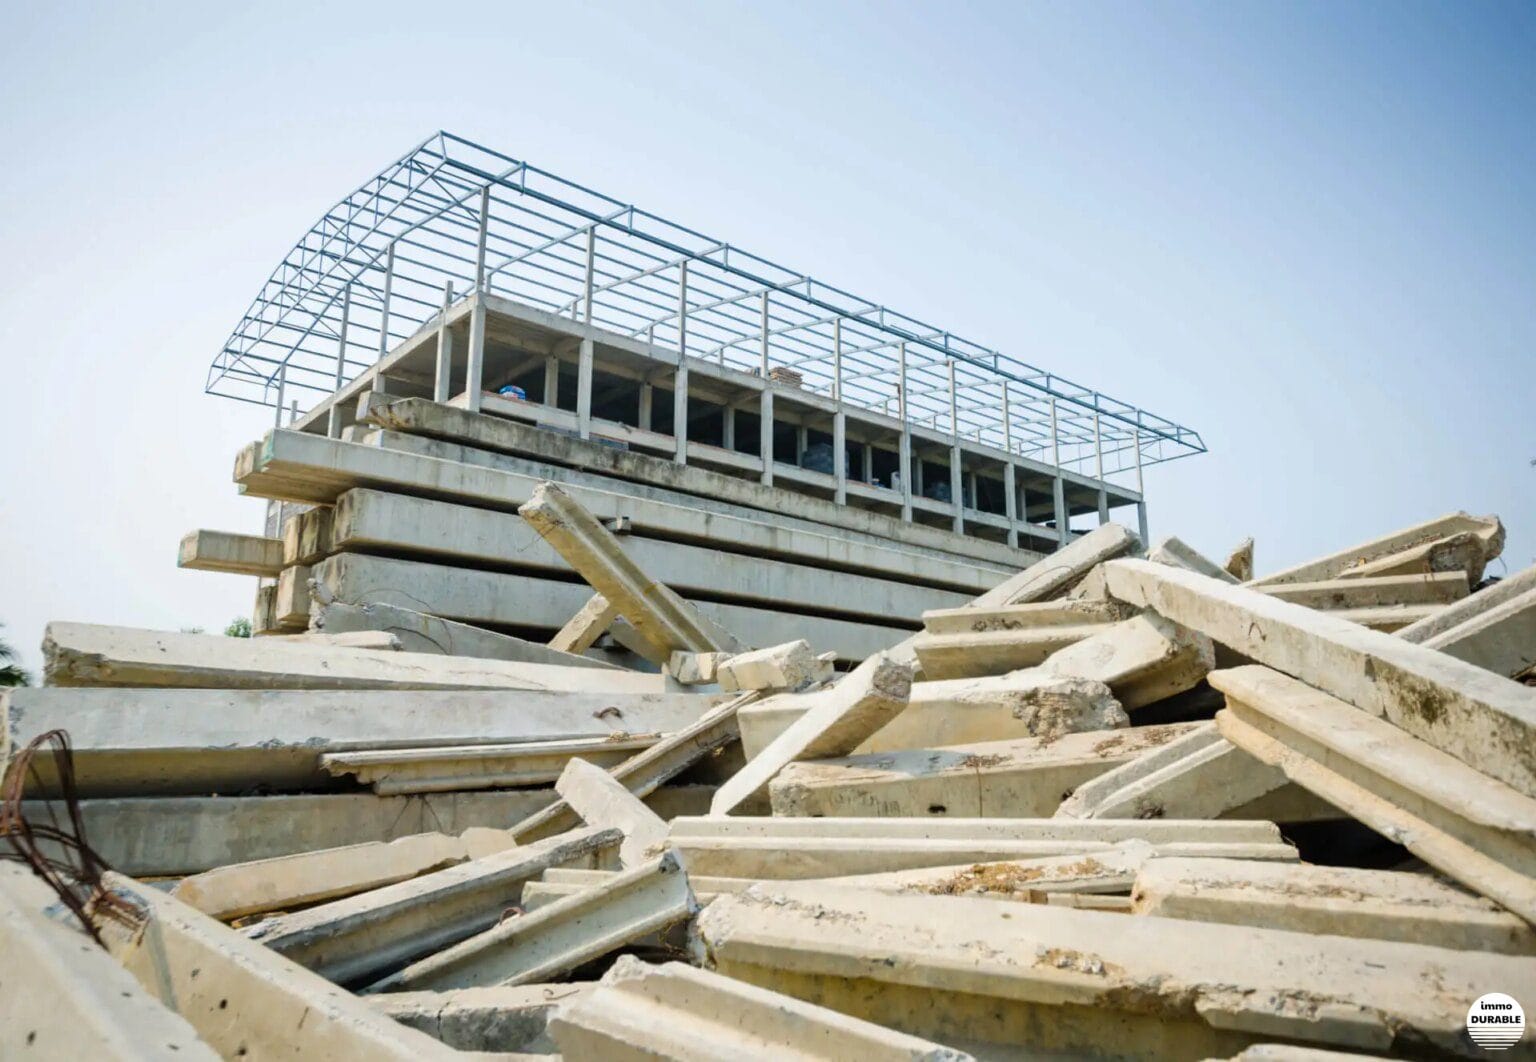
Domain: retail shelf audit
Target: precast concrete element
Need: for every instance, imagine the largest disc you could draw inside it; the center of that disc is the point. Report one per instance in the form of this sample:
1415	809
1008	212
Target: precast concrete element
1177	553
1481	718
696	669
1386	618
523	600
1468	608
1060	571
1018	779
175	836
643	773
459	767
360	938
601	800
1110	870
419	632
561	936
589	623
147	741
972	654
287	882
1488	529
678	1013
83	654
234	554
1330	595
835	722
243	999
791	666
307	536
1462	554
501	1019
380	640
1198	775
1062	612
598	557
62	997
774	848
1501	639
1021	704
1142	660
1329	901
1458	820
1239	563
1088	983
291	604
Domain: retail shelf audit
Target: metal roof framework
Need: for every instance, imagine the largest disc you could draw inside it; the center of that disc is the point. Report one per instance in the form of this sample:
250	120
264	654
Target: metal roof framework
373	270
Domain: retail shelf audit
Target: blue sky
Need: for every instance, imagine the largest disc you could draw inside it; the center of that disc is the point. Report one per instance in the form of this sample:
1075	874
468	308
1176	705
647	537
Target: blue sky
1307	230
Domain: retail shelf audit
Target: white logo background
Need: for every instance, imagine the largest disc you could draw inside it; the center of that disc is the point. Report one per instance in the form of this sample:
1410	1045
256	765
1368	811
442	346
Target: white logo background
1495	1022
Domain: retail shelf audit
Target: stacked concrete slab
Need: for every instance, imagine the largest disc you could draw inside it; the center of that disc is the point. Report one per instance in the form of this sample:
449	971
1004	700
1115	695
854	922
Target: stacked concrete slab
1110	803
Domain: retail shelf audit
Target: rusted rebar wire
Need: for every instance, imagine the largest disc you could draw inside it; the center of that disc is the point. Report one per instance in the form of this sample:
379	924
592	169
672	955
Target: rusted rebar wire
74	870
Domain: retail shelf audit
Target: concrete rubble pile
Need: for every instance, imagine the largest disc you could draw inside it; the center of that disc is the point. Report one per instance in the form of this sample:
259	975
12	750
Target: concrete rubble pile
1124	802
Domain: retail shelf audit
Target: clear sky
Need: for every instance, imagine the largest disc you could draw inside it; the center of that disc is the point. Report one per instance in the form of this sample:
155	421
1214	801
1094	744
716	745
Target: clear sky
1306	229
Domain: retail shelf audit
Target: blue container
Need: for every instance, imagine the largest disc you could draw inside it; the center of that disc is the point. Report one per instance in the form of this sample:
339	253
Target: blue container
514	391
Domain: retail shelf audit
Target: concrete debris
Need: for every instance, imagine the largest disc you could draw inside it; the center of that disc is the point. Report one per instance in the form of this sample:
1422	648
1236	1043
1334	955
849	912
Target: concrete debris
540	693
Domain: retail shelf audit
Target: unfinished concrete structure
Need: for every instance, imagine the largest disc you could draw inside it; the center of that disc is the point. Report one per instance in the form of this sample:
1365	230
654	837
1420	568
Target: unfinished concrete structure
546	330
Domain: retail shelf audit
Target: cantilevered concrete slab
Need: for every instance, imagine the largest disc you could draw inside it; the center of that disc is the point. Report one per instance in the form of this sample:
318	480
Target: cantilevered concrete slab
232	553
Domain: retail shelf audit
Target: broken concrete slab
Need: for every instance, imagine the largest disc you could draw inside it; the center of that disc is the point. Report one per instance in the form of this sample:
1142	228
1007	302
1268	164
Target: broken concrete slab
1331	901
234	554
655	611
1018	779
502	1019
1488	529
643	773
561	936
1481	718
1434	588
1198	775
1239	563
971	654
1142	660
62	997
772	848
422	633
243	999
459	767
791	666
601	800
144	741
292	881
358	939
83	654
1460	821
1088	982
836	721
673	1011
1177	553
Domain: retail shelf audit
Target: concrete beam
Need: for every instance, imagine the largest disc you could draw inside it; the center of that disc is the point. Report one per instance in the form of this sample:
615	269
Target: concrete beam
601	800
971	654
244	1000
1086	983
1434	588
644	773
235	554
1455	818
1177	553
422	633
1487	528
1467	608
836	720
1059	613
1481	718
595	553
454	768
499	598
788	667
682	1014
1239	563
504	1020
557	938
1462	554
83	654
307	536
140	742
63	997
1143	659
1501	639
1061	570
361	938
1018	779
589	623
1330	901
1111	870
795	848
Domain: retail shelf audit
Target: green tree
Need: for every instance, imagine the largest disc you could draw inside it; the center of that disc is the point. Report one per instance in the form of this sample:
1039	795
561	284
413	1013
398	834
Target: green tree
11	673
239	627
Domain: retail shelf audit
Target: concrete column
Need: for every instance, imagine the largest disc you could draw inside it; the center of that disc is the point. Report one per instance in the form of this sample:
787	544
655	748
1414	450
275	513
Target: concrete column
867	472
1103	506
802	440
765	435
728	427
333	416
680	381
442	378
840	456
1141	520
552	381
474	382
956	494
584	390
905	456
647	397
917	479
